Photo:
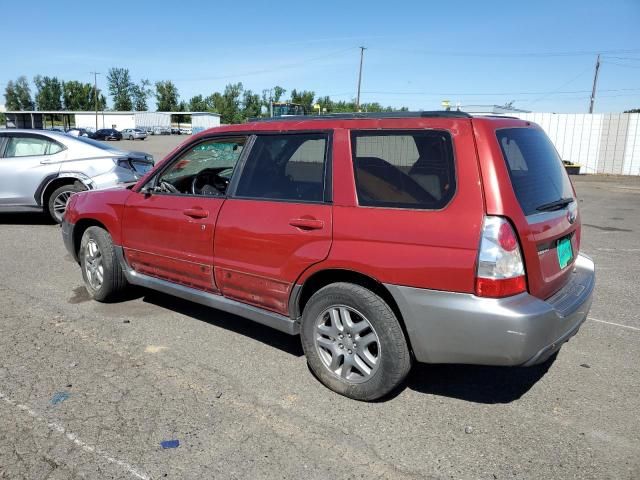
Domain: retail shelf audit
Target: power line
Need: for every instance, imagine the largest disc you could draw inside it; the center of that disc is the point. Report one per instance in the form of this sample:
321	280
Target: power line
480	94
508	54
620	64
637	59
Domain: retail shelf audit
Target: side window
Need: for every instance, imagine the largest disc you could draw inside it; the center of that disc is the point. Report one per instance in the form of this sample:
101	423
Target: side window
403	169
285	167
31	146
204	169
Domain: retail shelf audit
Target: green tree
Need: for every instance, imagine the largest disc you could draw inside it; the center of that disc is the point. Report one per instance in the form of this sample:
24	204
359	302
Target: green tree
633	110
17	95
120	88
251	105
166	96
78	96
49	93
228	103
200	104
140	93
304	98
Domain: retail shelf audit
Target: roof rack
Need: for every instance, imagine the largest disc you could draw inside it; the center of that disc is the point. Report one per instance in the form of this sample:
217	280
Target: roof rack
495	116
367	115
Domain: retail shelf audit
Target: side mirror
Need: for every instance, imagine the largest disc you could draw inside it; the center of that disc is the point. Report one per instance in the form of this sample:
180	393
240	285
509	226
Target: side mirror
147	190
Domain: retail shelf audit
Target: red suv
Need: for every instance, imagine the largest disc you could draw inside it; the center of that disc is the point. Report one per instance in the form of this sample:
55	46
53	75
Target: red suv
379	238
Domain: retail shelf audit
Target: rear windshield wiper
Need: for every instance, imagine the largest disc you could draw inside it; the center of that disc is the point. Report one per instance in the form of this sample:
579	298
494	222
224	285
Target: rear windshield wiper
555	205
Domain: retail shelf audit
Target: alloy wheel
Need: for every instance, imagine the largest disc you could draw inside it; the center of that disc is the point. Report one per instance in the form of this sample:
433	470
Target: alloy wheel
60	204
347	343
93	267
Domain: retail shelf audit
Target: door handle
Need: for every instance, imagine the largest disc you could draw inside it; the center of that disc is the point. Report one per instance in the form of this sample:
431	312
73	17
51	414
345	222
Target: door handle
307	223
196	213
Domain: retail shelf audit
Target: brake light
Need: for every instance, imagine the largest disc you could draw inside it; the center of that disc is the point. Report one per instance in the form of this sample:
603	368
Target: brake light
500	266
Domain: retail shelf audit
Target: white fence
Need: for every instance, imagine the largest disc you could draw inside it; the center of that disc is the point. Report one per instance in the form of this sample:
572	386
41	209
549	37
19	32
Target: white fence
600	143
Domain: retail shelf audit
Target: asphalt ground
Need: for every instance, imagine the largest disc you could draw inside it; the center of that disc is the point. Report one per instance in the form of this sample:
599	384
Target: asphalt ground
90	390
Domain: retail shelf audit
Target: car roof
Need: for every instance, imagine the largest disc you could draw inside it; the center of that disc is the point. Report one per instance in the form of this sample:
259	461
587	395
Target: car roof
363	121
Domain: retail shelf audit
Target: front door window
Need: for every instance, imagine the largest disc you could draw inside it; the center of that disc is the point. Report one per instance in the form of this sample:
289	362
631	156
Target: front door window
205	169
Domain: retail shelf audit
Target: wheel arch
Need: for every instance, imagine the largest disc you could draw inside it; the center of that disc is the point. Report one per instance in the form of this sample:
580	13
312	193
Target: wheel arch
302	293
80	227
49	184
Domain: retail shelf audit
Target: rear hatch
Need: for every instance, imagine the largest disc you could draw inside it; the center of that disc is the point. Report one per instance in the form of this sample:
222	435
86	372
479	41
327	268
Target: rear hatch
541	204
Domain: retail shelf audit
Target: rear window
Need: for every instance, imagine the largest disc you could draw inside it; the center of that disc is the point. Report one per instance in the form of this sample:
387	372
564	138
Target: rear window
403	169
537	174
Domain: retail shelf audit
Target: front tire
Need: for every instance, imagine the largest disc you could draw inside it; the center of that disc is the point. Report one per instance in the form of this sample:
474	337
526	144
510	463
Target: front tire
353	342
58	200
103	277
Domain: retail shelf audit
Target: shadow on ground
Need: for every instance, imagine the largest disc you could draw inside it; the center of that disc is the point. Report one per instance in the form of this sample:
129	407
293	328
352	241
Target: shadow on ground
35	218
242	326
476	383
472	383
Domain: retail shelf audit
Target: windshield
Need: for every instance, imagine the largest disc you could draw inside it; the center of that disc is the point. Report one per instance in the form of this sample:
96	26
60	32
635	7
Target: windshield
537	173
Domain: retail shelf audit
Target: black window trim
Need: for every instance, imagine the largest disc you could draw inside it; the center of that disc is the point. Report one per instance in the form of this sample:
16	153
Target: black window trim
152	180
327	173
407	131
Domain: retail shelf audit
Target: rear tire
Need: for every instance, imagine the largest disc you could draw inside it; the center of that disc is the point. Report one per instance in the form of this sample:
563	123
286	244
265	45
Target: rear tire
59	198
353	342
103	277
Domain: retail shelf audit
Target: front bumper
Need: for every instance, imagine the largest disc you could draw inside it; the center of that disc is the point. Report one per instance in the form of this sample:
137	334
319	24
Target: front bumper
445	327
67	238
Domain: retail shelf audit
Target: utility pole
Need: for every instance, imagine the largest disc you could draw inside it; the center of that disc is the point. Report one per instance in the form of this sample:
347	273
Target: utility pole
362	49
595	82
95	94
271	102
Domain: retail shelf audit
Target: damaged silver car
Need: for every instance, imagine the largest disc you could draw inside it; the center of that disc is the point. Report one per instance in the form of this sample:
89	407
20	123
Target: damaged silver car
40	170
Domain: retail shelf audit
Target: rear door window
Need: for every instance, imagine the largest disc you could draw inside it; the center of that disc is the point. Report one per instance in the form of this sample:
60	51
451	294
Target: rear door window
537	174
403	169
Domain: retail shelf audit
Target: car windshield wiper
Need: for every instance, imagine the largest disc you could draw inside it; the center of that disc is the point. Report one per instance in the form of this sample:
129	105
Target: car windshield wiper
555	205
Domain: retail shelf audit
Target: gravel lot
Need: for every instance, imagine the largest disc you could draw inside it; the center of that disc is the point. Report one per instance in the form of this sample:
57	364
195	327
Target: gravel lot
89	390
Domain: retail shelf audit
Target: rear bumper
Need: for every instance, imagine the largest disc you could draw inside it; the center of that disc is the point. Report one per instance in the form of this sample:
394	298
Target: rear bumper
446	327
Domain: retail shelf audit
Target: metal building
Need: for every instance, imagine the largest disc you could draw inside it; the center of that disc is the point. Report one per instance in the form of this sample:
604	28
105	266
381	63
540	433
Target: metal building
110	119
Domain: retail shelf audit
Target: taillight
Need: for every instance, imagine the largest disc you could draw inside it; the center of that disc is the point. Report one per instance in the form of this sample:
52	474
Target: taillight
500	266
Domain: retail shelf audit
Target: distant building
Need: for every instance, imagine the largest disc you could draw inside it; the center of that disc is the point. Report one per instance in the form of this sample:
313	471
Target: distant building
109	119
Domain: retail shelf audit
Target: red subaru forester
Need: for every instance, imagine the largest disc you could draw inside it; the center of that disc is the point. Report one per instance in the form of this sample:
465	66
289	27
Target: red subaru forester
379	238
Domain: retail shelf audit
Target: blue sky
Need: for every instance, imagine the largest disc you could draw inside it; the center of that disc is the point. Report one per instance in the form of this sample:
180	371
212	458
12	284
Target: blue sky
540	54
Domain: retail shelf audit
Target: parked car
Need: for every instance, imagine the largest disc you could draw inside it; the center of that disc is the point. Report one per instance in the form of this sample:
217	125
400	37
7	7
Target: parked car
161	131
78	132
381	239
185	130
107	134
134	134
40	170
175	131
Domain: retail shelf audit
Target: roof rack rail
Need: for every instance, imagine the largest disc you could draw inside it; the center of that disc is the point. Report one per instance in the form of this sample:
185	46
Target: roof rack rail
367	115
496	116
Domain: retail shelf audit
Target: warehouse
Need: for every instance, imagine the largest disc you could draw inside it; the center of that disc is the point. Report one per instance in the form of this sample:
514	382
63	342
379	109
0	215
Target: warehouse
110	119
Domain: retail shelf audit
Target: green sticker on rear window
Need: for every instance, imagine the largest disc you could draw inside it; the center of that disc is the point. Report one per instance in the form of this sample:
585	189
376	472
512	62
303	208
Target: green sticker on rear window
565	253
